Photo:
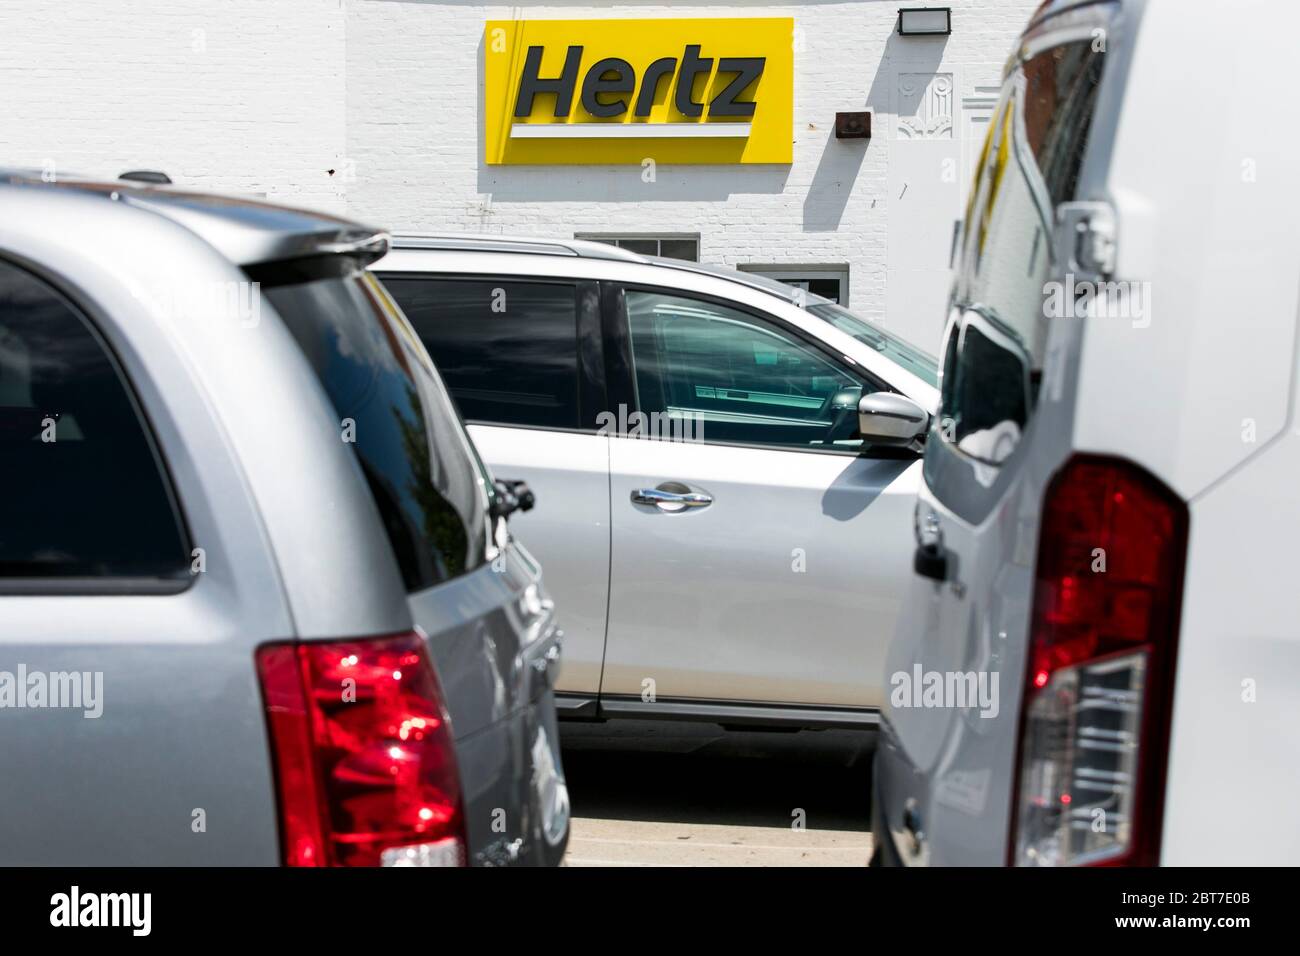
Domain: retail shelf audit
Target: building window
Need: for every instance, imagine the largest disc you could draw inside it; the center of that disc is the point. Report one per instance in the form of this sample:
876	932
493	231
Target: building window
828	281
668	245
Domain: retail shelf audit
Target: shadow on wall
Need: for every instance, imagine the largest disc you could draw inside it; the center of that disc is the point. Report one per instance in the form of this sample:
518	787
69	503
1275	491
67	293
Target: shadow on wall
841	160
672	183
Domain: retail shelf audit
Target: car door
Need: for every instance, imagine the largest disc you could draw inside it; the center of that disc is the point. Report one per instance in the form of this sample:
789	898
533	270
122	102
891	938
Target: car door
1004	427
521	359
757	552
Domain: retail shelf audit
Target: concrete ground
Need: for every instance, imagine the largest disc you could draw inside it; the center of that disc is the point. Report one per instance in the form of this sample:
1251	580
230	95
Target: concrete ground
668	793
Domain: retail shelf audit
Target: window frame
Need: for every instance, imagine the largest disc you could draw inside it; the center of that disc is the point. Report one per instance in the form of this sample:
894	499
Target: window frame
622	366
588	340
94	320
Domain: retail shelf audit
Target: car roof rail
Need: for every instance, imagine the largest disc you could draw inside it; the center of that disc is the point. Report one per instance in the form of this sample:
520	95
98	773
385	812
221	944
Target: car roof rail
526	245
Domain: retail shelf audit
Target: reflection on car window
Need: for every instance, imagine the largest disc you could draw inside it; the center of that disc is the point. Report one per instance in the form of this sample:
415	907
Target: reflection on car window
508	350
907	356
407	438
1030	163
734	377
991	387
1059	97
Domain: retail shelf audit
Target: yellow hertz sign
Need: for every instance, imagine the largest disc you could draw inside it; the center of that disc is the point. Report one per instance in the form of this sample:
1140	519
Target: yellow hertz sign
622	91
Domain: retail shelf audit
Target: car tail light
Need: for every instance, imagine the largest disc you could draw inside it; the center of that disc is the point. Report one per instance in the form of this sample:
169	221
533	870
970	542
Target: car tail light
363	752
1095	717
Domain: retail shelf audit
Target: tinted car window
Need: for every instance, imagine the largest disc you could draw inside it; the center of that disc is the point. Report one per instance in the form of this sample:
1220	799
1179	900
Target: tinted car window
421	469
907	356
732	377
84	492
1030	163
508	351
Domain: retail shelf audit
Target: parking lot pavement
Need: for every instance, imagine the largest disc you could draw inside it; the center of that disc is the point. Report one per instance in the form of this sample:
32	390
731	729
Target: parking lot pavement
666	793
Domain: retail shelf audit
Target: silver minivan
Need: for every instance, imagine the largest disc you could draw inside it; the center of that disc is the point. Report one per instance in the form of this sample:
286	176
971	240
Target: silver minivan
258	599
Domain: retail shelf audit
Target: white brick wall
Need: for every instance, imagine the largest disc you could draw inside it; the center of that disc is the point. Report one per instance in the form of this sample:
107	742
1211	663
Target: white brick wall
239	95
268	97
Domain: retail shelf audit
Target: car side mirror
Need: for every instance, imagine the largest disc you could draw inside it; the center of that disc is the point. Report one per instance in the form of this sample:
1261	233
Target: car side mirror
512	496
886	418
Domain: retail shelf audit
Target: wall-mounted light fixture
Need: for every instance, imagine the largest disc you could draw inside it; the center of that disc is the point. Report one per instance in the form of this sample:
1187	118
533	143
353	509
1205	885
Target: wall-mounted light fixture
853	125
924	21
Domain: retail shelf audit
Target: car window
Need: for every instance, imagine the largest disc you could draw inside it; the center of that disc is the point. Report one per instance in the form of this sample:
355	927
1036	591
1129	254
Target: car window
421	469
901	353
720	374
507	350
1030	163
85	493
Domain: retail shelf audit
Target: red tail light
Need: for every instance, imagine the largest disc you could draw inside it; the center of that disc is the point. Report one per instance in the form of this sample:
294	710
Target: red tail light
363	754
1095	716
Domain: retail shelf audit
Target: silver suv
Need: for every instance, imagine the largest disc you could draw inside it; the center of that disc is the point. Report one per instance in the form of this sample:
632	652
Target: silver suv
258	601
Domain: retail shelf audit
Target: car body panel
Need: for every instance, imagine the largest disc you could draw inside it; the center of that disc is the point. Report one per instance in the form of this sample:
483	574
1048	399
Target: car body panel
1226	272
569	474
489	638
767	594
1219	325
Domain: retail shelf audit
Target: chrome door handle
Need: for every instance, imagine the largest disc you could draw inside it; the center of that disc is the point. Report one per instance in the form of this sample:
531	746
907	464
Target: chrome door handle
666	500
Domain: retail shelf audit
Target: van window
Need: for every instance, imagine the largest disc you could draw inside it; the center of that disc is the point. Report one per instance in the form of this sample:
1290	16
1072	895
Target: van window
507	350
1030	164
84	491
421	468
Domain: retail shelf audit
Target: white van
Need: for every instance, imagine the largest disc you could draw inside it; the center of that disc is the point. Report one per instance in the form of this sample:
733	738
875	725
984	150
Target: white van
1099	658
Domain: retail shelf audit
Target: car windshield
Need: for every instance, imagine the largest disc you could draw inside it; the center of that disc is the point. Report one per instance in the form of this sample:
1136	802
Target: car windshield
923	366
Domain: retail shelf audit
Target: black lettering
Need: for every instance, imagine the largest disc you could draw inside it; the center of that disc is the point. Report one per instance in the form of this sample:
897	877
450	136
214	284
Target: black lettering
692	66
655	72
747	69
595	84
530	84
